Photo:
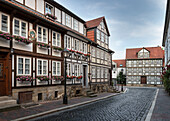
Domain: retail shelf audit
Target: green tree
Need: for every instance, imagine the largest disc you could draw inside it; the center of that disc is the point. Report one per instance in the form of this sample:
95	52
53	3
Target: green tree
121	78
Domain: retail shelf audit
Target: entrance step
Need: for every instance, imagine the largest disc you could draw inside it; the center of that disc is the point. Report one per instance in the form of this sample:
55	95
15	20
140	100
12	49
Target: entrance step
7	103
89	93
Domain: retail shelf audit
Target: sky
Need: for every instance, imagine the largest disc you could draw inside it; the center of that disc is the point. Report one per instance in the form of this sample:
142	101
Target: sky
132	23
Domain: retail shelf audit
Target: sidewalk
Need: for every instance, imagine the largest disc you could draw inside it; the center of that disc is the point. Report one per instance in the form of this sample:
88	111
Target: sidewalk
161	111
49	107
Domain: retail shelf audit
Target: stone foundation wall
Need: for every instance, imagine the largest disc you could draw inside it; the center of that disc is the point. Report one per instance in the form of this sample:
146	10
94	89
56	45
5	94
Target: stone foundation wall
98	88
48	93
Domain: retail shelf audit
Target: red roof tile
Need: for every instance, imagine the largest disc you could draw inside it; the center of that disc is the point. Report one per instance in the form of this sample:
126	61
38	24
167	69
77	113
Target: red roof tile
155	52
120	62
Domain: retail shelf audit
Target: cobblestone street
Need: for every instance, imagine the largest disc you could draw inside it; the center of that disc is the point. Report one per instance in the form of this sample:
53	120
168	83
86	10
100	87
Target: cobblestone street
131	106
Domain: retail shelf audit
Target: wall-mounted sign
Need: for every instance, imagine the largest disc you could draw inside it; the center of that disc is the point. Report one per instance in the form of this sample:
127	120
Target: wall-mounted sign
32	35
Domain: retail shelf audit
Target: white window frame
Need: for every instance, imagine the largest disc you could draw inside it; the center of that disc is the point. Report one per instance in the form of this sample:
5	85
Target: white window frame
57	40
8	24
106	72
42	34
69	70
66	43
93	52
20	27
24	66
68	22
93	70
52	11
56	62
98	72
75	25
42	67
98	34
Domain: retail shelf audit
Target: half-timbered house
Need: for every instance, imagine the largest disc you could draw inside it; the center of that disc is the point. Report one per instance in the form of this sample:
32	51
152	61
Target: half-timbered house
144	65
33	34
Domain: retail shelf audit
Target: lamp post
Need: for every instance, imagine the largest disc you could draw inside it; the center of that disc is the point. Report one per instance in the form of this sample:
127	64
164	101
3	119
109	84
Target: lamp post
65	100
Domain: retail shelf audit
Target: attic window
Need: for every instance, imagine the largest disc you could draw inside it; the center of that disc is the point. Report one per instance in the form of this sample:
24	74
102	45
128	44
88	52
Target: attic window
143	53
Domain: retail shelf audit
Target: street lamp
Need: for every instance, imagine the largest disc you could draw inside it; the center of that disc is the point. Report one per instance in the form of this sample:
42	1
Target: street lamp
65	53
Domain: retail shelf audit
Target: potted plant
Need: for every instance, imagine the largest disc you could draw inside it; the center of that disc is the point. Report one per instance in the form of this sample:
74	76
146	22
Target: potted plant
43	78
6	35
58	48
50	16
43	45
22	39
79	77
26	79
58	78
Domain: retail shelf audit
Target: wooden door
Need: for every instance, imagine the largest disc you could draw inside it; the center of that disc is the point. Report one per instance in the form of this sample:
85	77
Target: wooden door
143	80
84	75
2	78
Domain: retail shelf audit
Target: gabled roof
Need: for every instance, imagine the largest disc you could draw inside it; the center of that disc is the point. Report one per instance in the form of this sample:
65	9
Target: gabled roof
96	22
155	52
120	62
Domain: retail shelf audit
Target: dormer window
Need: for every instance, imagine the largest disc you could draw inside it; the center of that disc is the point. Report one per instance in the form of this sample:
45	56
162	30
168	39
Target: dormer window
48	9
143	53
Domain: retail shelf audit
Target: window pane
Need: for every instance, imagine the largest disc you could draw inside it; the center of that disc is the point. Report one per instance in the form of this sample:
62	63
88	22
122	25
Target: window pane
44	67
58	69
44	35
58	40
39	67
39	34
27	66
23	30
16	27
54	68
4	25
54	38
20	66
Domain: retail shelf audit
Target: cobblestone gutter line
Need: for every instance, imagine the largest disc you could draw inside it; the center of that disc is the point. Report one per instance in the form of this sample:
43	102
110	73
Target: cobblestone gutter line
64	108
148	118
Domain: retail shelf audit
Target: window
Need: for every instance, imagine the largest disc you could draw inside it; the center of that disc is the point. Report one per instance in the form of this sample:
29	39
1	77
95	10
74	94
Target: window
102	25
56	68
98	53
98	72
68	20
93	72
75	25
102	73
93	51
106	71
24	66
106	39
56	39
85	48
143	54
67	42
42	67
20	28
42	34
4	22
102	54
76	45
98	34
69	69
48	9
102	36
77	70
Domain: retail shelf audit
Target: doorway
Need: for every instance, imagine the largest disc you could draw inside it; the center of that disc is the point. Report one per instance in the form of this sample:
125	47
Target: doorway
85	76
143	80
4	74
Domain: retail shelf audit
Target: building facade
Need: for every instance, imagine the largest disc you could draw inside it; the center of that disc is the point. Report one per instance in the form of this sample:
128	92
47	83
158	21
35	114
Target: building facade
33	34
166	35
144	65
118	66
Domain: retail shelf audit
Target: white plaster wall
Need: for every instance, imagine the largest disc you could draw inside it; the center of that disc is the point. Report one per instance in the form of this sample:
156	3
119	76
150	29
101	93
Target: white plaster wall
41	82
22	46
58	14
30	26
41	50
30	3
4	43
55	53
40	6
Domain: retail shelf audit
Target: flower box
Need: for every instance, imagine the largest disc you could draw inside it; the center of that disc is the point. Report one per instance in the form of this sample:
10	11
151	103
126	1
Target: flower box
58	49
25	79
50	16
87	55
70	77
43	78
79	77
58	78
6	36
22	39
43	45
